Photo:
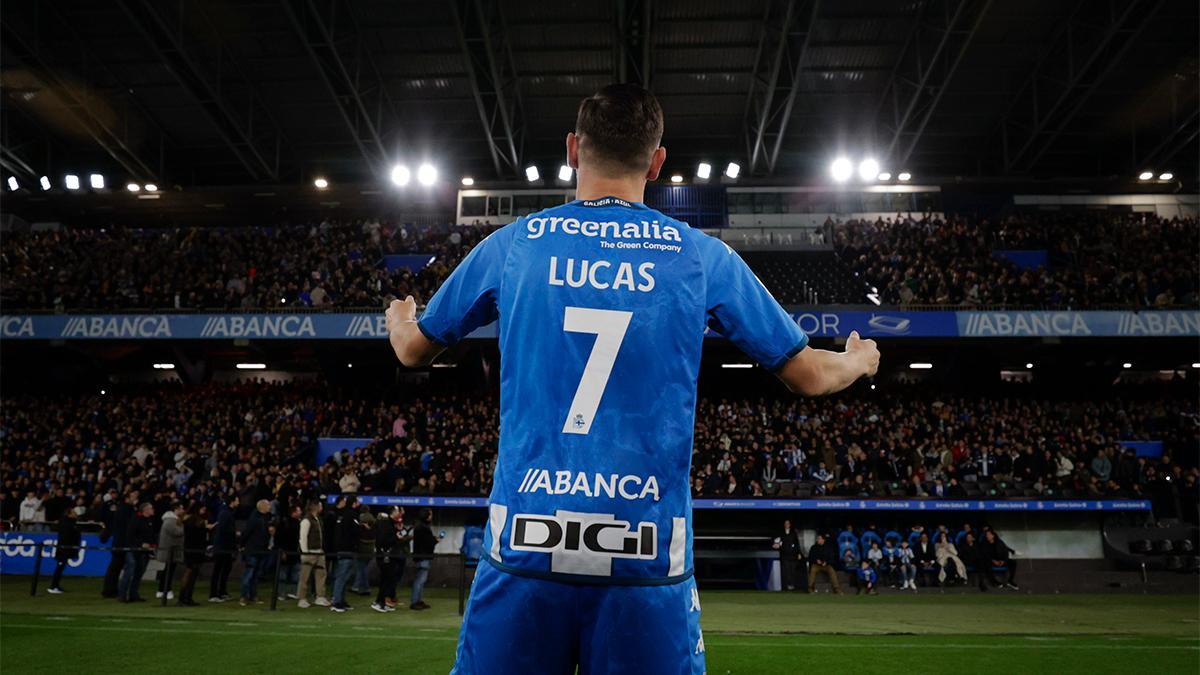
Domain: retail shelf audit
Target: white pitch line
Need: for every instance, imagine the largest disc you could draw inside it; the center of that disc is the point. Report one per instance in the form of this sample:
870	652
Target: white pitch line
202	631
910	645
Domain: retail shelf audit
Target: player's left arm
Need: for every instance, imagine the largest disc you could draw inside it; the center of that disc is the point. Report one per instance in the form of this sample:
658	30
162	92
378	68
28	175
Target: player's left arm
410	344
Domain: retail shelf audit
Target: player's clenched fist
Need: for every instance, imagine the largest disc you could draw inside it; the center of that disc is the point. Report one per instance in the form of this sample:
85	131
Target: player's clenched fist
865	351
400	312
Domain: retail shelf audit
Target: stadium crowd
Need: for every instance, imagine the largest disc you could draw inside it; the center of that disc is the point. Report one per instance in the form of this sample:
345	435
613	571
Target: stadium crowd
256	440
327	264
1094	260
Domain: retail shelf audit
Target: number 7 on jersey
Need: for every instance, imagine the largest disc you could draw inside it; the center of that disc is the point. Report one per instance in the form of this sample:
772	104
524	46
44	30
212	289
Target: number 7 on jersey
609	327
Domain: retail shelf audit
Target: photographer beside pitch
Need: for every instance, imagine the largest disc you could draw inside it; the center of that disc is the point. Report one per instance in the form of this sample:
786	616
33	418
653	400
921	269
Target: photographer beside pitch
602	305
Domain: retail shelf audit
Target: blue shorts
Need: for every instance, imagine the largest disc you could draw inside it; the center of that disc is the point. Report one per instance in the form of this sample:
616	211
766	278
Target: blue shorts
516	624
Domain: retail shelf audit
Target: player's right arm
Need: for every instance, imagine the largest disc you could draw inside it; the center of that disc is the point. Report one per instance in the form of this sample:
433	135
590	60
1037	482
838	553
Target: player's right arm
743	310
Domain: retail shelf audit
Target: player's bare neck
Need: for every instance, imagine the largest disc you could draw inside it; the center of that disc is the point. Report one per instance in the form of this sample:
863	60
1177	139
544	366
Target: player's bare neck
596	186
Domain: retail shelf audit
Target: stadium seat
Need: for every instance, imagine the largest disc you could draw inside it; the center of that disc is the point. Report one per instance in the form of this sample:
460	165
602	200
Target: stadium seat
869	538
1185	546
787	489
893	536
1163	546
1174	563
1141	547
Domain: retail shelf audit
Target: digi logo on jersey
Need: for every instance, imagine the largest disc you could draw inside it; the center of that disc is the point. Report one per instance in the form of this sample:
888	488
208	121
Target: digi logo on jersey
583	543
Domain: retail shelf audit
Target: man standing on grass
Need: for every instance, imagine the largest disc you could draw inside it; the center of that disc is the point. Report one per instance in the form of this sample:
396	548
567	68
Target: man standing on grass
66	548
424	542
141	541
602	306
224	546
312	556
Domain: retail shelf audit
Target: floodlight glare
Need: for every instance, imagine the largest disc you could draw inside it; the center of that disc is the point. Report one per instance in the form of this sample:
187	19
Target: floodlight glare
133	187
868	169
532	173
564	173
401	175
13	184
904	176
97	181
703	170
45	182
151	187
321	183
468	181
676	178
426	174
1146	175
841	169
732	170
1166	175
885	176
72	181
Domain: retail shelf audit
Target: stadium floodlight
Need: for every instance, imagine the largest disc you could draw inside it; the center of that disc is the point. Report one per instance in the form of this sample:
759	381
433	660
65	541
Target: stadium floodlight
401	175
1196	365
1127	365
1146	175
532	174
468	181
349	365
150	187
564	173
45	183
13	184
427	174
883	175
96	181
868	169
1028	366
921	366
675	178
703	170
251	366
904	176
133	187
737	365
103	392
841	169
872	387
732	170
1166	175
164	366
320	183
71	181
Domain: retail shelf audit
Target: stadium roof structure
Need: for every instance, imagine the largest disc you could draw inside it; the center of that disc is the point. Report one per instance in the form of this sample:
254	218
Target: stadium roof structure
225	92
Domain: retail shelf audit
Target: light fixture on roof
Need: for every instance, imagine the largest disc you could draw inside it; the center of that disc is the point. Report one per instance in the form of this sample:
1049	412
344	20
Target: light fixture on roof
532	174
921	366
841	169
13	184
401	175
868	169
904	176
96	180
251	366
468	181
1127	365
133	187
1146	175
45	183
1166	175
150	187
675	178
703	170
71	181
737	365
164	366
884	176
564	173
732	170
321	183
1028	366
427	174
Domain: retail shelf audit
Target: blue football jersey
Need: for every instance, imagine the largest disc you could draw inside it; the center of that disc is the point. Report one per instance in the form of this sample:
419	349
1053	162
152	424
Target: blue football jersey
602	308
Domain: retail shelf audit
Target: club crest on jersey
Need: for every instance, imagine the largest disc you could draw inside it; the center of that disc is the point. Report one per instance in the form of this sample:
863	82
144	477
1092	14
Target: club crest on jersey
579	421
574	483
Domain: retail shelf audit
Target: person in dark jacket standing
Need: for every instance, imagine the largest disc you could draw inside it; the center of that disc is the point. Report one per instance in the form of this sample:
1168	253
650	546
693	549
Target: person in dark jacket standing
790	555
256	544
141	540
195	540
329	529
347	548
424	542
285	546
224	546
118	519
391	548
995	555
67	547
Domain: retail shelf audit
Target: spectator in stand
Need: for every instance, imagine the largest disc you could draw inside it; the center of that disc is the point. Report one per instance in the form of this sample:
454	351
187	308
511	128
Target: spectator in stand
141	543
996	558
170	548
875	556
256	546
970	557
790	555
225	544
821	558
67	547
947	554
311	541
424	543
32	513
904	564
867	578
366	551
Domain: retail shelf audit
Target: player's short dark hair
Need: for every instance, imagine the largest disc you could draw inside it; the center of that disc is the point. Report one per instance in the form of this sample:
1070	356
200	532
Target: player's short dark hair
620	126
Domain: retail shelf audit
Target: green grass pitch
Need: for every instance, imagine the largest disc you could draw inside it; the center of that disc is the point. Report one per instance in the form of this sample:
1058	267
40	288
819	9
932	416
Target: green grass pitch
745	632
